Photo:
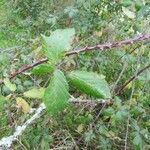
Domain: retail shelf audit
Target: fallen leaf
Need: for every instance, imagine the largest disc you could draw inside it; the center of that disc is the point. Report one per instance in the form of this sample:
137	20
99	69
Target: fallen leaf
80	128
23	104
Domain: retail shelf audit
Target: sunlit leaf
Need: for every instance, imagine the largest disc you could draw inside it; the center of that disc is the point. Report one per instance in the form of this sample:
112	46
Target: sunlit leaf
36	93
90	83
128	13
57	43
9	85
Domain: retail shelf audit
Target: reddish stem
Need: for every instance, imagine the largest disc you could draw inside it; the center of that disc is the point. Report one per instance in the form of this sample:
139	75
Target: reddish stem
101	47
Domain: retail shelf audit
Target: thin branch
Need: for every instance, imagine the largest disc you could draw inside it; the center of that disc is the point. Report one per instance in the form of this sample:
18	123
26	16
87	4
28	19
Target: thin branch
127	132
90	102
25	68
120	89
128	121
6	142
101	47
106	46
119	77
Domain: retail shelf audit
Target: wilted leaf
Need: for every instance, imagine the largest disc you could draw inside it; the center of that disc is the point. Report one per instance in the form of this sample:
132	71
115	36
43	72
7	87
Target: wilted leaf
23	104
8	84
56	95
98	33
90	83
35	93
57	43
80	128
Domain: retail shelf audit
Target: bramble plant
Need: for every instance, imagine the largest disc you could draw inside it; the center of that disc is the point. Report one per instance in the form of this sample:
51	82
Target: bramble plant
75	74
56	95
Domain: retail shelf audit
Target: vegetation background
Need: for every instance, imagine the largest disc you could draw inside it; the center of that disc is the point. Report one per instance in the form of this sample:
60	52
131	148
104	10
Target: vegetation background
125	124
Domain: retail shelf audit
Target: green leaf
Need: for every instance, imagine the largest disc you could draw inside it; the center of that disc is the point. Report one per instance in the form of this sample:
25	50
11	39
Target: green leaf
42	69
3	59
128	13
56	95
137	141
90	83
145	76
57	43
3	115
126	3
35	93
2	102
121	115
108	112
8	84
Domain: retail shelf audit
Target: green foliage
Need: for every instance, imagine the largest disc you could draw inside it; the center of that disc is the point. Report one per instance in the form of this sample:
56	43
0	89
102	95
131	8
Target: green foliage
2	102
3	59
43	69
9	85
137	141
128	13
79	126
56	95
35	93
57	43
28	8
90	83
3	117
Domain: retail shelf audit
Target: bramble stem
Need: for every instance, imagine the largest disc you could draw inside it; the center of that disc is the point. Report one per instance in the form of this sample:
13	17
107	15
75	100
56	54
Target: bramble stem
101	47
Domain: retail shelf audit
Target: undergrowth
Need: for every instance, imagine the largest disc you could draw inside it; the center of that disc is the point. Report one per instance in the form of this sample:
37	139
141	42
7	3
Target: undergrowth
125	124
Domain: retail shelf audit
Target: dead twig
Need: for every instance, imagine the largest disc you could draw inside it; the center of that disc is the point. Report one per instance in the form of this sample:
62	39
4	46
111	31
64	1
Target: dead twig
120	89
91	102
119	77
